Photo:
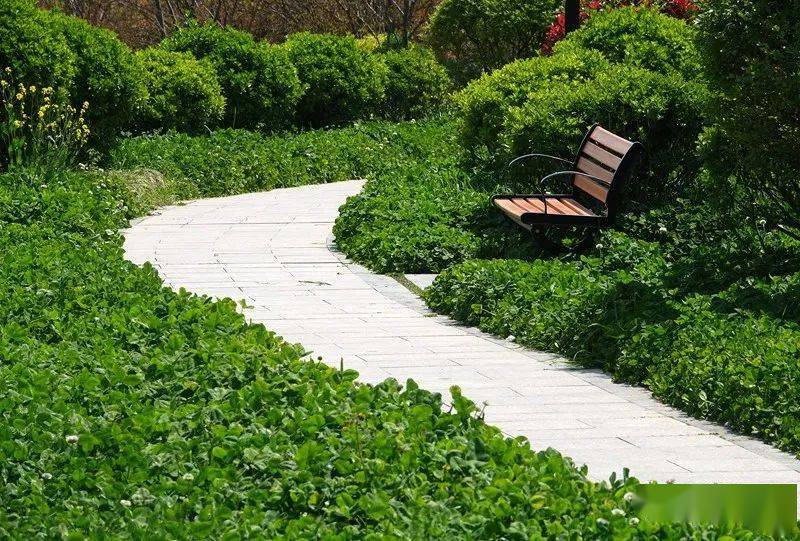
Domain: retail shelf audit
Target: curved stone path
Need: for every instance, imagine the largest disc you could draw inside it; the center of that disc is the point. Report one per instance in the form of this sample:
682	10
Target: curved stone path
272	249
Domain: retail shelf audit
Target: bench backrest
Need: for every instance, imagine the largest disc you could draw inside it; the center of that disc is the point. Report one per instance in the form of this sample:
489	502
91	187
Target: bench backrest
609	157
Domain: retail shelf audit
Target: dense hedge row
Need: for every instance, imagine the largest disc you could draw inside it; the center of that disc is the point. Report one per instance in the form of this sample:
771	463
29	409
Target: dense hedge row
312	80
238	161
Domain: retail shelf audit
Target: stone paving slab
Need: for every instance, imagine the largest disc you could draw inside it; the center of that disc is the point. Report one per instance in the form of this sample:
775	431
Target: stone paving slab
274	250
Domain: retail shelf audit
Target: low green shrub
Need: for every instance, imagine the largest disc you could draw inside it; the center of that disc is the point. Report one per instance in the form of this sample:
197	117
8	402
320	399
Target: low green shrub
582	309
107	76
484	104
32	48
49	49
475	36
184	93
343	81
664	113
750	54
258	80
640	37
416	83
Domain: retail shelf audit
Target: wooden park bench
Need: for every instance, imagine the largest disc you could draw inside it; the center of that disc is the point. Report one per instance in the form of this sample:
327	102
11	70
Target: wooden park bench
602	166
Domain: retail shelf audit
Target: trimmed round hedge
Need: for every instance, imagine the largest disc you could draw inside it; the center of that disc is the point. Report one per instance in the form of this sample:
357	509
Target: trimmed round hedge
664	113
641	37
184	93
258	80
343	81
416	83
475	36
107	76
483	105
51	49
30	46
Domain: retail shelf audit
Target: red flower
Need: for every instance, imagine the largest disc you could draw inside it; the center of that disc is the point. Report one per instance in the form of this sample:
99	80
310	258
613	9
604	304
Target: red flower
680	9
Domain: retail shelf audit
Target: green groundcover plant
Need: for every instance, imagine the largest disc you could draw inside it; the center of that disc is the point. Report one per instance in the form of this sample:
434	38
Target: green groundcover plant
730	356
134	411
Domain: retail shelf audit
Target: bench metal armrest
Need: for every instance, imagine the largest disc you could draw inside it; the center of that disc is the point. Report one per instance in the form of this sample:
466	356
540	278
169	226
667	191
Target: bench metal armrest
534	155
581	173
537	155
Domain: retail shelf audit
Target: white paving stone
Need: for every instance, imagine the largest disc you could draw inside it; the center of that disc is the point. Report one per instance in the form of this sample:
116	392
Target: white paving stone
272	249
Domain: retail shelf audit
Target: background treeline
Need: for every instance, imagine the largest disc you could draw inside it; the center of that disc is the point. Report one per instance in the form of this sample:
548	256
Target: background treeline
145	22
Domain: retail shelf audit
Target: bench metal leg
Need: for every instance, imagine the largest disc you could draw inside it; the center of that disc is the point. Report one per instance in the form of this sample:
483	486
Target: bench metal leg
545	242
556	247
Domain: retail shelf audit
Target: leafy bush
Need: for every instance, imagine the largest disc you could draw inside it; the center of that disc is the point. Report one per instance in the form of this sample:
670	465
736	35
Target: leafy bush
107	76
475	36
554	305
543	304
483	105
343	81
751	53
679	9
48	49
184	93
32	48
641	37
664	113
260	84
416	83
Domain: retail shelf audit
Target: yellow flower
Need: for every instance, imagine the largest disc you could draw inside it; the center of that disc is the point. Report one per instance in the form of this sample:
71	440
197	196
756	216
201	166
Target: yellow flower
17	123
32	88
19	95
8	70
3	83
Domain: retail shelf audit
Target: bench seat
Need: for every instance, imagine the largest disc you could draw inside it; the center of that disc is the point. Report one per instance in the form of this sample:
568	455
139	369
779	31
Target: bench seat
529	210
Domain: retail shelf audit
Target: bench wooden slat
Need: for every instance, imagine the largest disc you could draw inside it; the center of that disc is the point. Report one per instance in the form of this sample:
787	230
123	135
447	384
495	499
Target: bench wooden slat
529	205
559	206
610	140
603	156
588	166
576	208
564	206
591	188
